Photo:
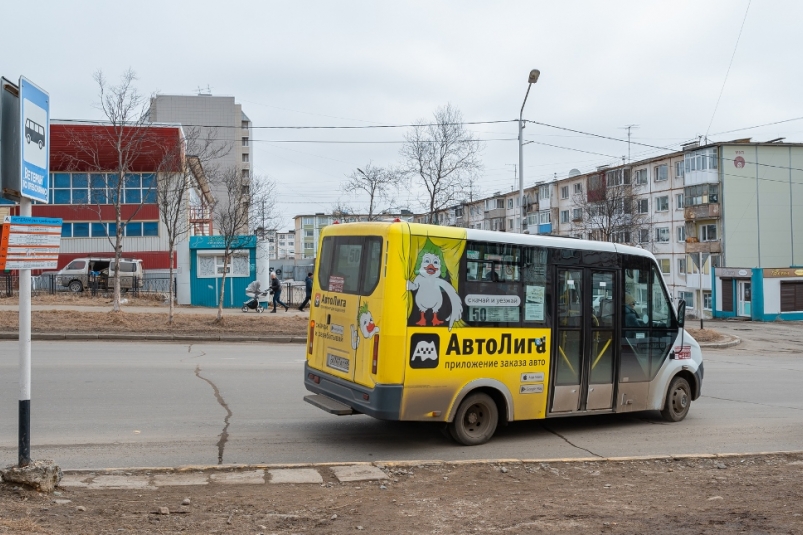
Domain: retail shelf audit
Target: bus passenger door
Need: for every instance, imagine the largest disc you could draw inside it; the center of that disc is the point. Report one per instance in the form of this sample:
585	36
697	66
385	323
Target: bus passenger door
584	361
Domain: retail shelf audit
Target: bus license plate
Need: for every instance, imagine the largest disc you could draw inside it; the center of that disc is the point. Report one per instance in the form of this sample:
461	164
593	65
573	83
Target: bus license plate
337	362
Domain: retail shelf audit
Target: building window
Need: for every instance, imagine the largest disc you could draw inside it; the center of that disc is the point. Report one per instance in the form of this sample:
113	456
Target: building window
545	216
679	205
510	224
564	214
641	177
493	204
617	177
245	173
662	204
211	265
662	234
688	297
245	158
308	221
543	192
678	169
246	124
621	236
101	188
510	203
644	235
643	206
665	265
681	231
308	245
661	173
309	233
682	266
706	300
564	192
702	194
578	188
700	160
245	142
577	214
708	232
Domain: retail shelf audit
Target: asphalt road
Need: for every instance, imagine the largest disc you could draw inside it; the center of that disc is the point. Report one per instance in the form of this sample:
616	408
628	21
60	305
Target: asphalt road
118	404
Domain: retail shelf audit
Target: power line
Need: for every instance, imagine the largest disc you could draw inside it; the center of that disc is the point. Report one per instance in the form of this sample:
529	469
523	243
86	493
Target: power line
363	127
735	47
757	126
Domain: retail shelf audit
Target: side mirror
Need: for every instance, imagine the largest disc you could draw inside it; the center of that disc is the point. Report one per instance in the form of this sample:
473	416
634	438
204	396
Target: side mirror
681	313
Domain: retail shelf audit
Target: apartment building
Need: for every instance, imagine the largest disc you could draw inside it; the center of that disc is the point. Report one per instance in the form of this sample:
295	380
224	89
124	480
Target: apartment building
217	116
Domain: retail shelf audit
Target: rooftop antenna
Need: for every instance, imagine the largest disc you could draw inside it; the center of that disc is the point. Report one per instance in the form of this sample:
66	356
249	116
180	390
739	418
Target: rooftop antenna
628	127
202	91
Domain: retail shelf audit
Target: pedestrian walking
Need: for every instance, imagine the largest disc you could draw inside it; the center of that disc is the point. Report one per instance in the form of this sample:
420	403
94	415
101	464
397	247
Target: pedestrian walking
308	294
276	286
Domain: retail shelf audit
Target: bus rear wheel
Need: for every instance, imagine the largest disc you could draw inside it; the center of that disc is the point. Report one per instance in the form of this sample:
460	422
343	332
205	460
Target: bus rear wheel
678	400
475	420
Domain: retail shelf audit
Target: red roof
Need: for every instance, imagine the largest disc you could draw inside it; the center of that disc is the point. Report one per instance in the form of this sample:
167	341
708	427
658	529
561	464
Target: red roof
91	147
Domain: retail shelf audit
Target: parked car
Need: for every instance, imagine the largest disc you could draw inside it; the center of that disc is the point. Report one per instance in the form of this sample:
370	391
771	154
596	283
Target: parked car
78	274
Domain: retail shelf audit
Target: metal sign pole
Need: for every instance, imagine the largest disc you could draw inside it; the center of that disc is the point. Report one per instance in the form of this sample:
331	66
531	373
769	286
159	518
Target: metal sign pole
25	355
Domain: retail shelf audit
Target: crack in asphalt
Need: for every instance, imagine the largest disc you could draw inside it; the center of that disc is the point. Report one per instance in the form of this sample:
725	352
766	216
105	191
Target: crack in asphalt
569	442
755	403
224	435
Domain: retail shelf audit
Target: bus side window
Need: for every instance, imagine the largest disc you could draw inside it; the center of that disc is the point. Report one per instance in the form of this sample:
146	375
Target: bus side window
372	262
325	264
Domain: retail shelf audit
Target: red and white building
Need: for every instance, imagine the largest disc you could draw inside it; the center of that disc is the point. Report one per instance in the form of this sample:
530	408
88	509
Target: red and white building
82	158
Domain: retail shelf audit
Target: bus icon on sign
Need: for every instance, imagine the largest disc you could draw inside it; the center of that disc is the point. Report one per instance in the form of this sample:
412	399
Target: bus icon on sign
34	133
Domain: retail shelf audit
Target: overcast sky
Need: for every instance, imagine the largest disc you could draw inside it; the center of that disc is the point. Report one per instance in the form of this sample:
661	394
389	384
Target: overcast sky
604	65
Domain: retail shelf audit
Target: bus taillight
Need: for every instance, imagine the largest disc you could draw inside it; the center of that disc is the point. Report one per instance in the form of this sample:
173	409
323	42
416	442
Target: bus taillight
311	336
375	359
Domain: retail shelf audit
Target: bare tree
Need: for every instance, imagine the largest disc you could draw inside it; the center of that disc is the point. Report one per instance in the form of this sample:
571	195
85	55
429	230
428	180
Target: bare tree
443	156
608	208
235	217
341	210
184	173
125	142
376	181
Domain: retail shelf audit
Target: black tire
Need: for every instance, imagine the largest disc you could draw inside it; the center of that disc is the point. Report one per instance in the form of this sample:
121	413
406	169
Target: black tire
28	138
41	144
678	400
75	286
475	420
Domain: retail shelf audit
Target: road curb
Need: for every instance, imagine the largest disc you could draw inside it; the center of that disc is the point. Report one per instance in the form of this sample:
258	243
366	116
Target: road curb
407	464
719	345
233	338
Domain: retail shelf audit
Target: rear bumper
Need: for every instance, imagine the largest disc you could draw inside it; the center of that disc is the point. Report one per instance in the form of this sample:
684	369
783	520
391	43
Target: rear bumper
383	403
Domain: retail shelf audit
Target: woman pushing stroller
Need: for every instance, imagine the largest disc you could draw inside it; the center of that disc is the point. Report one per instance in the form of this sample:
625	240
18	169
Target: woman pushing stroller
276	288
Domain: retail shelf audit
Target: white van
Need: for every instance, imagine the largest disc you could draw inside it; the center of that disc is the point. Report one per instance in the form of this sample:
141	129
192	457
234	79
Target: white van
79	273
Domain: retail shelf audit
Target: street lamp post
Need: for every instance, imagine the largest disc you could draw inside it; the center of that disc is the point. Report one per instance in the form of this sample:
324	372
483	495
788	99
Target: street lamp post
532	79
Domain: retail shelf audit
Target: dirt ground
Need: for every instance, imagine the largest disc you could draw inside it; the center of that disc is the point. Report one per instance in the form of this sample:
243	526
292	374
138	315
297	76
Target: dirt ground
60	321
752	494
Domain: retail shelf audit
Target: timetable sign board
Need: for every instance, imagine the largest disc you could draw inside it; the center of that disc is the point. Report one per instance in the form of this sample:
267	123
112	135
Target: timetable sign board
34	141
30	243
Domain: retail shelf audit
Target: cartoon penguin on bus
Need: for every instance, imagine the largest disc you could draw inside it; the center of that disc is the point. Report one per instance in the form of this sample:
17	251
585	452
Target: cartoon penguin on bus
430	286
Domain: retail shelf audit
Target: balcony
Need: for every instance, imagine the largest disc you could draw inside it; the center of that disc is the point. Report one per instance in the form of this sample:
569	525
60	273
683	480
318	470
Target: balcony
694	246
702	211
495	213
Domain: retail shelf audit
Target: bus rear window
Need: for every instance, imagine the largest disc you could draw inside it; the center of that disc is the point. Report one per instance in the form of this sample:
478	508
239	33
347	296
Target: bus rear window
350	264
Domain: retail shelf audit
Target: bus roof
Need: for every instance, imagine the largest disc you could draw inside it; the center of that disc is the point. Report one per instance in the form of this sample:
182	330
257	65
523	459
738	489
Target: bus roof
380	227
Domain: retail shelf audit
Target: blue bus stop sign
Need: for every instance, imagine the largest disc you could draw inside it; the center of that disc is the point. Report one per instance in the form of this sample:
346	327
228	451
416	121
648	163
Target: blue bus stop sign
34	142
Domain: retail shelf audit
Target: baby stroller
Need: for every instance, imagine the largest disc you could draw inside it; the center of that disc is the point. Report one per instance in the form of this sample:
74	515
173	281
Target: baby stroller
254	291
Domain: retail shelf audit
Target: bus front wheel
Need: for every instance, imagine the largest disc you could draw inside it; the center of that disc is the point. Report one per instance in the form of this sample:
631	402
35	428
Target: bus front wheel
678	400
475	420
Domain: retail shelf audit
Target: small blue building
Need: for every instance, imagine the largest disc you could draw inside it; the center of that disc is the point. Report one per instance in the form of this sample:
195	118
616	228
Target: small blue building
761	294
206	270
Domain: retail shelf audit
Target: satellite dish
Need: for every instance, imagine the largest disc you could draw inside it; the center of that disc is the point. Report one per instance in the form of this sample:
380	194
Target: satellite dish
574	172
